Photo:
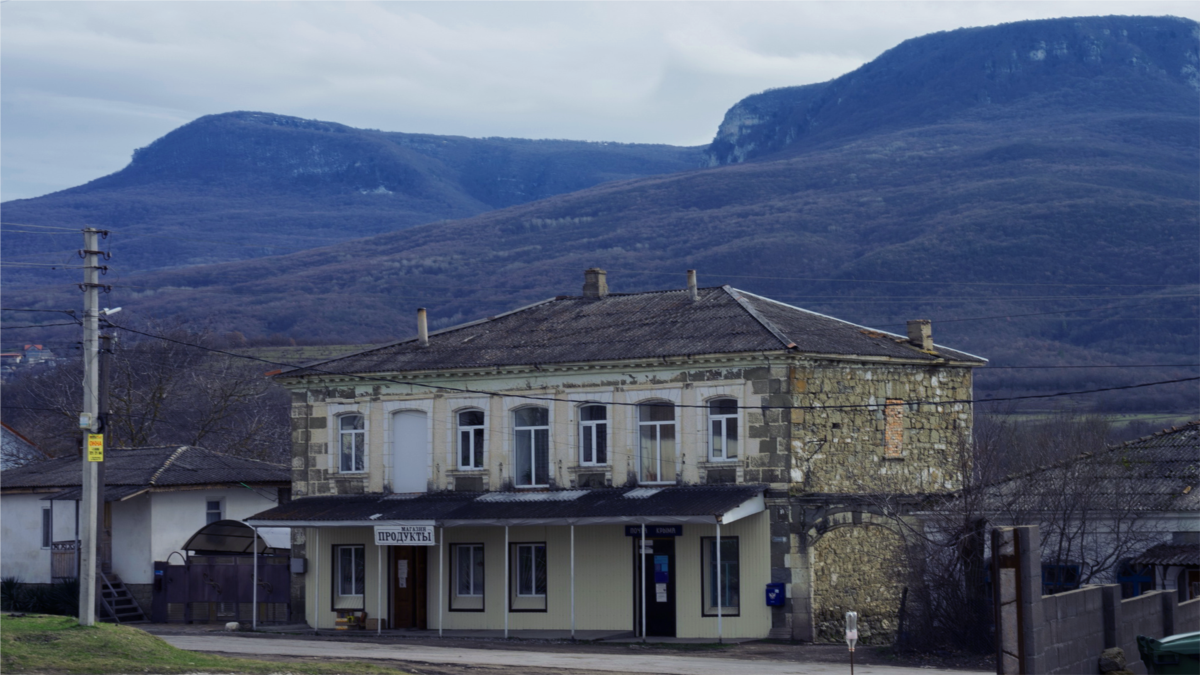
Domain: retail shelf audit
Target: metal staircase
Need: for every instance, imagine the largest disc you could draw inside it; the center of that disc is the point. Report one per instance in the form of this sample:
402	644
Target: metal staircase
116	601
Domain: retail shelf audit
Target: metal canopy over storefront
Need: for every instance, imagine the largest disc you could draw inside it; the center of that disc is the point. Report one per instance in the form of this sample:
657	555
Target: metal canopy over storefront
706	504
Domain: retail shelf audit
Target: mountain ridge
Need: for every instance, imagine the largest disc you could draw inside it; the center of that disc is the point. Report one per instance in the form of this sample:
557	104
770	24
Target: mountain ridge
1159	49
1030	234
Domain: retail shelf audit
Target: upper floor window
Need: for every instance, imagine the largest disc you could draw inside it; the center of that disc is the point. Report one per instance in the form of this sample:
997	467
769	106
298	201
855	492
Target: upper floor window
531	446
593	435
470	439
723	429
352	443
656	442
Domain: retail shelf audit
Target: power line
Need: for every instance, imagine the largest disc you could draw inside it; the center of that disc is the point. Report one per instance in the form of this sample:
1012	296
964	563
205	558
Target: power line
555	399
43	325
43	227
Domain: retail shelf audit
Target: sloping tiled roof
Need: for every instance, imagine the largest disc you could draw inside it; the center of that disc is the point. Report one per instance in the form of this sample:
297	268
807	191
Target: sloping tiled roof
670	504
1160	472
176	465
1170	554
622	326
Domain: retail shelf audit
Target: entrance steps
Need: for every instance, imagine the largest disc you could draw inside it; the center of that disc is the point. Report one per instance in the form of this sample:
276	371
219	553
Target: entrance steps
116	601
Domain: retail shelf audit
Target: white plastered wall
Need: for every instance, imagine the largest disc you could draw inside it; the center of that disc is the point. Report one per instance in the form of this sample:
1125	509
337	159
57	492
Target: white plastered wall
21	552
176	515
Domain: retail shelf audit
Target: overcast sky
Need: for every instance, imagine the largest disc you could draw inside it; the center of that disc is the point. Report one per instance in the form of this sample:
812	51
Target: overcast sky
82	84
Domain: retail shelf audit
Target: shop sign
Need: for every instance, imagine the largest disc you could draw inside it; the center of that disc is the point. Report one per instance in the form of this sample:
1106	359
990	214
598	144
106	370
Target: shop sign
415	534
654	530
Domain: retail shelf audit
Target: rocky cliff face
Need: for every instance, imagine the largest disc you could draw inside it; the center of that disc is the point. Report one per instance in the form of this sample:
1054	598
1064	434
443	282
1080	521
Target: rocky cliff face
1063	65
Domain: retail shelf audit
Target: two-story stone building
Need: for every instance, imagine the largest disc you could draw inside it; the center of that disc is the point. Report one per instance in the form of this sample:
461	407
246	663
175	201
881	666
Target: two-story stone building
530	449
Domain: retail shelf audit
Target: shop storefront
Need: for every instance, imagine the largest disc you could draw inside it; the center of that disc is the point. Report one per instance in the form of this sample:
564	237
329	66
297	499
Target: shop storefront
659	562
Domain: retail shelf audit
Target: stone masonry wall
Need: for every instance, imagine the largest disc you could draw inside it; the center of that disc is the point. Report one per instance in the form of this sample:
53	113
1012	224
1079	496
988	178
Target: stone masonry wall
857	569
843	450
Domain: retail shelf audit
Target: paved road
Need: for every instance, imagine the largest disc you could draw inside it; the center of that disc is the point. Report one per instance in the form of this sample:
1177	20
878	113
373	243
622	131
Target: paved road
613	663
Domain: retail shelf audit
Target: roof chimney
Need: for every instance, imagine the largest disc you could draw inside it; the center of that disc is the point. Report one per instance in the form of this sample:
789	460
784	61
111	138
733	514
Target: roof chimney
422	328
692	292
595	284
920	334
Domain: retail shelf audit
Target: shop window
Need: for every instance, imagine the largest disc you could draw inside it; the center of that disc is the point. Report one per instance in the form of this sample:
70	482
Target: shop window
467	563
214	510
470	439
725	586
352	443
531	447
722	429
350	573
593	435
1059	578
656	443
528	581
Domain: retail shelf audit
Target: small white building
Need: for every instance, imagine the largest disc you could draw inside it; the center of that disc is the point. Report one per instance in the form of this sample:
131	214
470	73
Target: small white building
154	500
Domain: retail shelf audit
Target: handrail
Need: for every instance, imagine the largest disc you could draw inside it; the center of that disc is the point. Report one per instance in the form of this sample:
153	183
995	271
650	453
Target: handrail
112	611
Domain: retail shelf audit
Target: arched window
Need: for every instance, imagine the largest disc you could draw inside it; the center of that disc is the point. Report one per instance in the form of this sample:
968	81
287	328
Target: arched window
352	443
470	439
593	435
531	446
656	442
722	429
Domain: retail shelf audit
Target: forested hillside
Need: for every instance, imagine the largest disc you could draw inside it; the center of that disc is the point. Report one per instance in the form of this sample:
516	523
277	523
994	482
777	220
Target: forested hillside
244	185
1031	234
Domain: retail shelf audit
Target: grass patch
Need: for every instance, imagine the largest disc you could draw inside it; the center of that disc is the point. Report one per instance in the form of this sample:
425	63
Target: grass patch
58	644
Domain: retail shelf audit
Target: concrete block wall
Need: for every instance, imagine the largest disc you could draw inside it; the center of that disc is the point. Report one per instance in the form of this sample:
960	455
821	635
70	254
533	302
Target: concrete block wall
1065	633
1073	638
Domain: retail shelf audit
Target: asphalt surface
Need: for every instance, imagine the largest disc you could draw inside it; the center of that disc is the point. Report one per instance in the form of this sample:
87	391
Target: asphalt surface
518	660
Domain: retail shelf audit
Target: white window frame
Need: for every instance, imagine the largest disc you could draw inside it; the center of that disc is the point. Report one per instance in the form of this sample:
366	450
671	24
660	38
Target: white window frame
476	585
532	431
339	433
725	420
673	423
220	511
588	429
357	551
533	579
48	526
470	429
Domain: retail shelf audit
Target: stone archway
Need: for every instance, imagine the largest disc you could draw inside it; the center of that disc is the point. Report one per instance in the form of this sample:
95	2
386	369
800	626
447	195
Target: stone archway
860	568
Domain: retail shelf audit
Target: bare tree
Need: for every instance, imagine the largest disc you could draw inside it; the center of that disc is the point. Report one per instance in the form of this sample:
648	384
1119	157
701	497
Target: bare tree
1054	472
162	392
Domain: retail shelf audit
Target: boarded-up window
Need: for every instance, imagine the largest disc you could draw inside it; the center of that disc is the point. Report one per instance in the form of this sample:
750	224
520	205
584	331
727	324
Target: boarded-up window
893	428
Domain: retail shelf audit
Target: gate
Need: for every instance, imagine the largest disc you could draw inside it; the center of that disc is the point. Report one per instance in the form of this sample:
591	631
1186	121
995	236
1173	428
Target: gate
220	588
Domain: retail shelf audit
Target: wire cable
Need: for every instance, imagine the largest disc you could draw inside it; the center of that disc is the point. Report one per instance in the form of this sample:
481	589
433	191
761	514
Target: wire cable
479	392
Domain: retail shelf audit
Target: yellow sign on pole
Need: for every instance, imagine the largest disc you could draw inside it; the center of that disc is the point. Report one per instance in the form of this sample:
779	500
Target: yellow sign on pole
95	447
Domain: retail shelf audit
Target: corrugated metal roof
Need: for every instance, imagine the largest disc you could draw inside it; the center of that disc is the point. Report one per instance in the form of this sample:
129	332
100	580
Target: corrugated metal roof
623	326
163	466
1160	472
604	503
1170	554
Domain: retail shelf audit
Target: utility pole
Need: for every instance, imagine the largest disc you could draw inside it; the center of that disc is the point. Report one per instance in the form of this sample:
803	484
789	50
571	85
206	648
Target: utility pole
89	422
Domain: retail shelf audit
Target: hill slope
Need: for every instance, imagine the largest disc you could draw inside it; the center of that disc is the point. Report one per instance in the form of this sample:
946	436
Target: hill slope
1092	64
244	184
1030	234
